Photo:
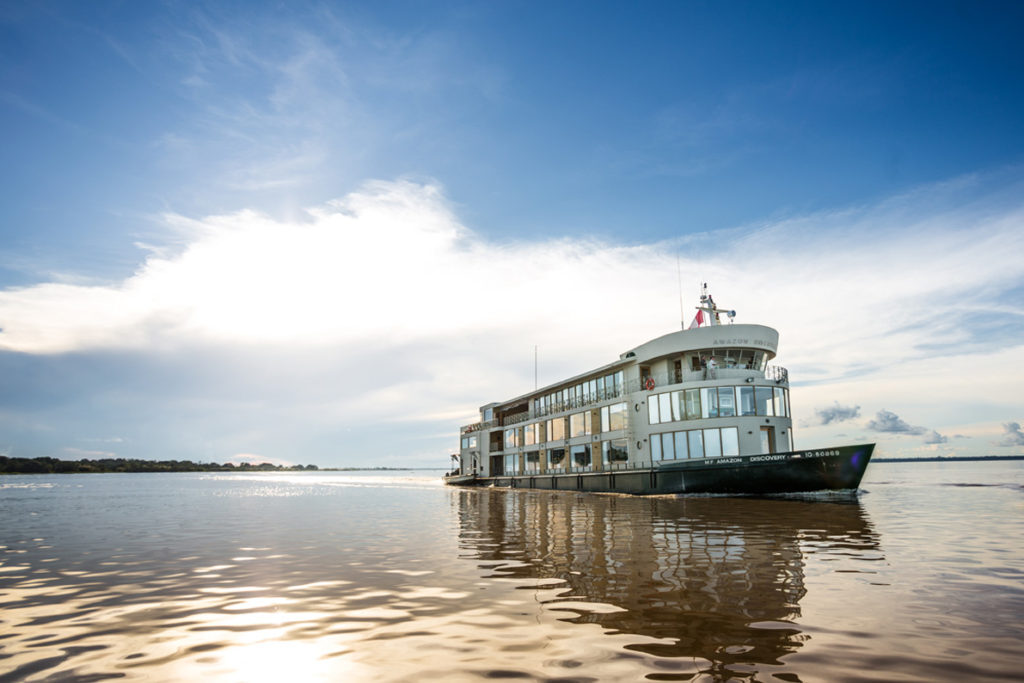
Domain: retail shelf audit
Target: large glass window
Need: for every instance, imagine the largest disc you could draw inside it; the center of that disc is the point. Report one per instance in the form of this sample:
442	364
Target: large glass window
532	461
617	419
581	456
556	458
730	441
665	405
510	464
653	413
747	401
696	444
530	434
727	401
510	438
712	443
677	405
709	402
692	404
681	450
614	451
763	395
579	424
556	429
667	448
656	447
780	402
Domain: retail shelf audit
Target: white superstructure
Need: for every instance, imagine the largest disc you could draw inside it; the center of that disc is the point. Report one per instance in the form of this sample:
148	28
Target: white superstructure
707	392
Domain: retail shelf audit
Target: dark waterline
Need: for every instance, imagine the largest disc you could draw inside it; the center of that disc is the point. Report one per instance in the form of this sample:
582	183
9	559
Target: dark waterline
390	576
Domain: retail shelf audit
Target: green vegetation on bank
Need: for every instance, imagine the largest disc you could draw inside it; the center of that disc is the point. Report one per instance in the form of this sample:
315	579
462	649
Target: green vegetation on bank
54	466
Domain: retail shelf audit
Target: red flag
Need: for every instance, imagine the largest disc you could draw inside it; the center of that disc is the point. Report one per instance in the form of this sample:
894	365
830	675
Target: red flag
698	320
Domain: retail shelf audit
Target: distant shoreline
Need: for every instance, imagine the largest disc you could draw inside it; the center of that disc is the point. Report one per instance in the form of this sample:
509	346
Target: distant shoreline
48	465
952	458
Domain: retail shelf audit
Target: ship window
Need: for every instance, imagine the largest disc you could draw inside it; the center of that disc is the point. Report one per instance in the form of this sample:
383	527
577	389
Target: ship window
652	409
579	424
764	400
615	450
613	417
655	447
709	402
730	441
667	449
712	443
581	456
530	434
618	382
555	457
780	402
465	443
510	438
681	453
510	464
556	429
692	404
726	401
747	401
488	415
677	405
532	461
696	444
695	363
665	404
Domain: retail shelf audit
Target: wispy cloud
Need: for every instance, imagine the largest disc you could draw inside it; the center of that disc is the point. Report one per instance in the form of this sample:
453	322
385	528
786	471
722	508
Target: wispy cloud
835	413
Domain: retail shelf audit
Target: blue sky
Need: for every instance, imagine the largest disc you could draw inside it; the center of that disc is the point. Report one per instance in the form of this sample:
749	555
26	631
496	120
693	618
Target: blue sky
327	232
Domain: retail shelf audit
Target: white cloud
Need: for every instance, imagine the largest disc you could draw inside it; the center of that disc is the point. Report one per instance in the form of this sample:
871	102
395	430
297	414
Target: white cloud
386	307
1012	435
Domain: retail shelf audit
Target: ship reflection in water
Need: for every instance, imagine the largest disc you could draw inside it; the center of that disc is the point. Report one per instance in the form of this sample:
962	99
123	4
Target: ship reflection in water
712	583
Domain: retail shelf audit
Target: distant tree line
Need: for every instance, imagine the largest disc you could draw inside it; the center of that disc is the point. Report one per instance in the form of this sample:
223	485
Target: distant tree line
48	465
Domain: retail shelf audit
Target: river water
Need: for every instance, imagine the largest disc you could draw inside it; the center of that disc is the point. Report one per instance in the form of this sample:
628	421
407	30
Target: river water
393	577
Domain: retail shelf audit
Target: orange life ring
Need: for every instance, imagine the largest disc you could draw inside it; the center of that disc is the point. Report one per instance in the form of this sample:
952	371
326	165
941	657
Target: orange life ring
649	384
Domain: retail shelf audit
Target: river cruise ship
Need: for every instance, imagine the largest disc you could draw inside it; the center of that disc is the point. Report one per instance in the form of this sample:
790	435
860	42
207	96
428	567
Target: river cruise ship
700	410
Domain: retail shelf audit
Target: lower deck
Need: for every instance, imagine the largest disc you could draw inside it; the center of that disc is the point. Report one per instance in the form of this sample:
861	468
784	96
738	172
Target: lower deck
795	471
